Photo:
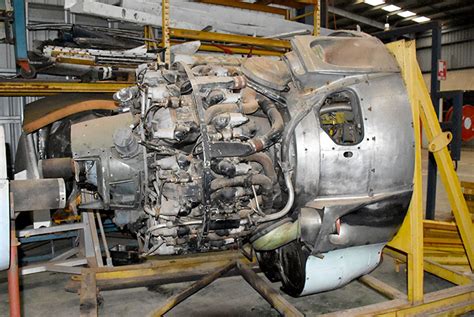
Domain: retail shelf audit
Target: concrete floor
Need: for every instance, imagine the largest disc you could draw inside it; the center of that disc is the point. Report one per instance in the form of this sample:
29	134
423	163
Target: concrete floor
43	294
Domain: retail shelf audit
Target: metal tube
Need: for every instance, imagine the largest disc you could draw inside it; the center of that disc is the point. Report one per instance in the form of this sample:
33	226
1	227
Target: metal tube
56	168
340	106
104	240
13	280
38	194
277	125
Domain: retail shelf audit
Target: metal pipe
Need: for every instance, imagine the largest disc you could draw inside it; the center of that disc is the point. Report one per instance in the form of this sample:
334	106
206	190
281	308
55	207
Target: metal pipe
277	237
434	92
13	273
164	225
104	240
56	168
38	194
340	106
269	170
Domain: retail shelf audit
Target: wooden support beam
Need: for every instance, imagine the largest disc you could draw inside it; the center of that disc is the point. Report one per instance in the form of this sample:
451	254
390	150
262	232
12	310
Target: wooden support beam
266	291
172	269
88	296
228	38
446	273
381	287
194	288
453	299
42	88
434	268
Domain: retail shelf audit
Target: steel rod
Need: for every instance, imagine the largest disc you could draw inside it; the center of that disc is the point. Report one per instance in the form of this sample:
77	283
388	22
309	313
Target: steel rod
13	279
104	240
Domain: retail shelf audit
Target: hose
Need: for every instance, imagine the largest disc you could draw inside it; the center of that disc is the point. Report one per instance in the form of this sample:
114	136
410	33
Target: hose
289	202
279	236
248	106
257	143
268	168
277	125
247	181
340	106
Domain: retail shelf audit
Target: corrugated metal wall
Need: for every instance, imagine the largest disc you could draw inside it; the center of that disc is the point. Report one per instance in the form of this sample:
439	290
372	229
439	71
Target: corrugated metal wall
457	49
11	108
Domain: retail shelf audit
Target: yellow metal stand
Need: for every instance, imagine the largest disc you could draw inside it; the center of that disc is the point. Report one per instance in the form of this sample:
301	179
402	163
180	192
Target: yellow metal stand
410	237
316	19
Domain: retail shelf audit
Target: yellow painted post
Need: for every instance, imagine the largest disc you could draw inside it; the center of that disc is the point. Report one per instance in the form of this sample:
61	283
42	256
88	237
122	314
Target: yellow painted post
148	34
446	169
316	19
165	29
409	238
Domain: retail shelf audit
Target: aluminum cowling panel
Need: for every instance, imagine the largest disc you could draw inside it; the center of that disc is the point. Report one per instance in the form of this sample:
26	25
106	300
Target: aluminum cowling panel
4	207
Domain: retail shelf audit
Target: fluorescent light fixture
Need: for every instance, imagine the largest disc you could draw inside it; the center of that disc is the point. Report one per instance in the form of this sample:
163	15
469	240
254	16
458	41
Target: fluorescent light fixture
421	19
406	14
374	2
391	8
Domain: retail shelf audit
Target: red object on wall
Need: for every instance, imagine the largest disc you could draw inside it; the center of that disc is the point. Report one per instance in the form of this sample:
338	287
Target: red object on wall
442	70
467	122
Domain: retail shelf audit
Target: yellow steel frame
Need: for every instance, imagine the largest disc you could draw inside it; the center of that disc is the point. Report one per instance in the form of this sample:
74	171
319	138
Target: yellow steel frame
316	20
410	237
165	29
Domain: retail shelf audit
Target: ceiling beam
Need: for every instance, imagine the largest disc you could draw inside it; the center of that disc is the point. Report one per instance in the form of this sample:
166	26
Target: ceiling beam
247	6
356	17
286	3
